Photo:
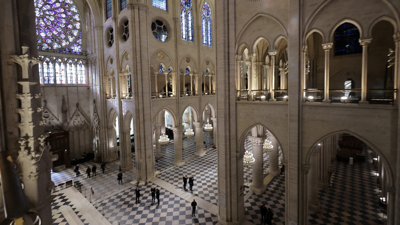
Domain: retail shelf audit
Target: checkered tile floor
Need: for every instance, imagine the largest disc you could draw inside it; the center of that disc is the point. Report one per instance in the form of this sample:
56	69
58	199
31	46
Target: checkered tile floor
172	209
353	198
62	200
102	184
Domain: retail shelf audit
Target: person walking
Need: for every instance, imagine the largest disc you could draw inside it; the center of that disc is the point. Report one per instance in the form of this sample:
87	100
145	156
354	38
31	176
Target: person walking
103	167
184	182
263	214
282	169
270	216
88	170
94	168
119	178
194	204
137	191
191	183
153	195
158	196
76	170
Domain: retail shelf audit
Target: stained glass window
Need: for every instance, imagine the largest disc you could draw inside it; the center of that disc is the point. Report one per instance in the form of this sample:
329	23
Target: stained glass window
347	40
71	73
169	69
40	73
186	20
109	8
161	69
123	4
159	30
161	4
183	24
81	73
60	72
129	78
58	26
45	73
206	25
187	70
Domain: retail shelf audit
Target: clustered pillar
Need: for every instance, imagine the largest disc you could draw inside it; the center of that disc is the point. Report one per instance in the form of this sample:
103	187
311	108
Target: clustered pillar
178	146
199	138
258	175
274	157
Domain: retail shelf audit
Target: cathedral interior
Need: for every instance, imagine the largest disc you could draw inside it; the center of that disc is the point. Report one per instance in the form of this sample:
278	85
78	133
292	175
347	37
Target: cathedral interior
291	104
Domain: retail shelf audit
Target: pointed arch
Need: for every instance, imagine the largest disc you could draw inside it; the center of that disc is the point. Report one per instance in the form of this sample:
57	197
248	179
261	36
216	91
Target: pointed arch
174	120
258	41
213	111
127	121
382	18
347	20
194	110
314	30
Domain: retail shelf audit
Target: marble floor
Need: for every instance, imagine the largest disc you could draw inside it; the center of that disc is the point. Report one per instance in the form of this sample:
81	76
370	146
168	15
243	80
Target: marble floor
115	204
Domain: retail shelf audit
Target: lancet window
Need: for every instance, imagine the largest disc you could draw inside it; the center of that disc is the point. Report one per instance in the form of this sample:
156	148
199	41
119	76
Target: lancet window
186	20
206	25
161	4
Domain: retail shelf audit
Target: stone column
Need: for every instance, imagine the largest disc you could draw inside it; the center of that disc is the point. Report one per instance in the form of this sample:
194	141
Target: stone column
364	69
303	198
282	72
199	138
326	47
239	71
166	84
258	176
210	83
391	205
204	86
304	71
396	37
174	80
274	157
313	201
191	84
215	131
157	128
178	146
265	83
250	73
272	76
125	150
197	81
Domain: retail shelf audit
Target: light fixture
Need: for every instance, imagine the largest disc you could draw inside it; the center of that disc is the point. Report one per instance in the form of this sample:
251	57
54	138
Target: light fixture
343	99
248	160
263	97
267	146
189	133
208	127
164	140
377	174
310	98
375	158
319	144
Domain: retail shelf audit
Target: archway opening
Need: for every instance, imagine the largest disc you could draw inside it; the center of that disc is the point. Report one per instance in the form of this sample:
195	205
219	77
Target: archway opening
348	179
263	173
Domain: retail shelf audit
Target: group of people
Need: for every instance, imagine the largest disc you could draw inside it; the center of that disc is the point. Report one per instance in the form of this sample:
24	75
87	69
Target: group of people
155	193
266	215
89	170
185	180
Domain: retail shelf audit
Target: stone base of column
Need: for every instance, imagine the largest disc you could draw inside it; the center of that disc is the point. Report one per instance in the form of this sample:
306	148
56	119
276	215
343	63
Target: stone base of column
273	172
259	190
142	183
223	222
156	173
202	153
179	164
363	102
326	101
272	100
314	207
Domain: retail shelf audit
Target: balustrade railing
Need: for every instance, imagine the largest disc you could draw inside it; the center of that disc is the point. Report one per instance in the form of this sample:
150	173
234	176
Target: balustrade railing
314	95
111	96
188	93
253	95
381	96
126	95
281	95
345	95
155	95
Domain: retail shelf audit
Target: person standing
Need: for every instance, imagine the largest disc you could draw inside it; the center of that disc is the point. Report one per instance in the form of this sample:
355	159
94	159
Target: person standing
270	215
94	168
184	182
158	196
282	169
119	178
263	214
76	170
153	195
137	191
103	167
194	204
88	170
191	183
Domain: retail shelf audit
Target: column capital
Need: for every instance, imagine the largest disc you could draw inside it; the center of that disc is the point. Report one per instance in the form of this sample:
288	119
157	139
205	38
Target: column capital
239	57
256	140
305	169
266	66
365	41
272	53
214	119
305	48
327	46
198	124
396	37
251	56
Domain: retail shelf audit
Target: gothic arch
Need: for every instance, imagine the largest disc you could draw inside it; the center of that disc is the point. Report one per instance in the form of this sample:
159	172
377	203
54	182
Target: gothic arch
278	39
374	148
382	18
204	65
183	63
244	135
352	21
194	110
125	59
241	48
213	114
258	41
314	30
127	121
112	114
174	121
161	56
